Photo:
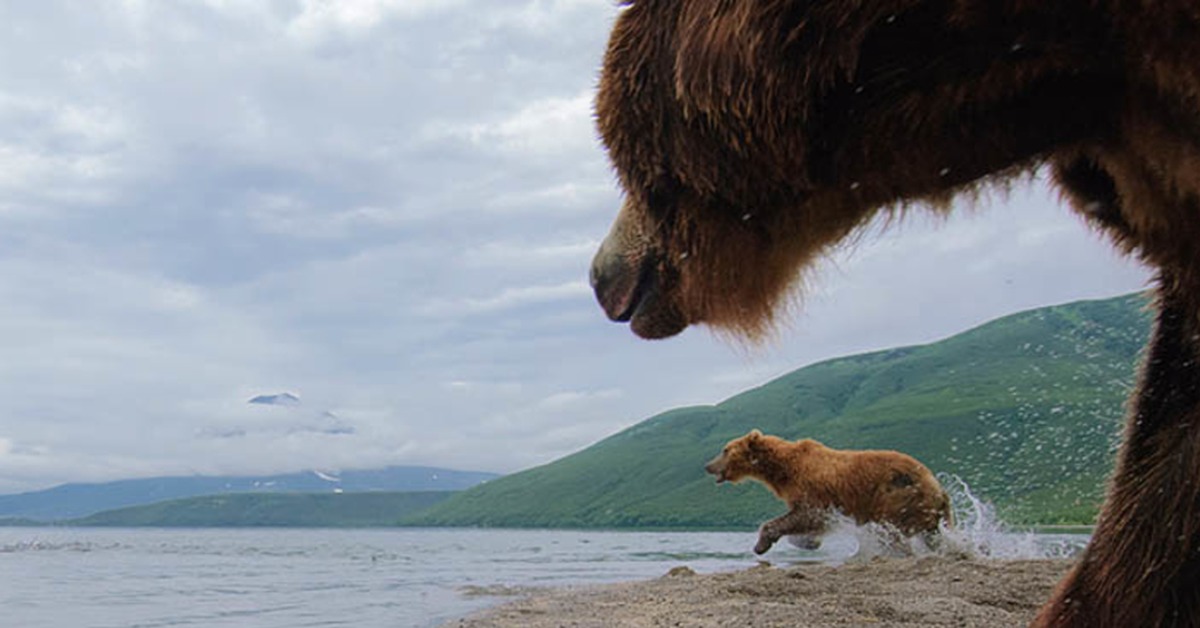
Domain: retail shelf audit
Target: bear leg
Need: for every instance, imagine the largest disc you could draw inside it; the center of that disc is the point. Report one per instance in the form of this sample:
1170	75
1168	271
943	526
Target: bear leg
797	521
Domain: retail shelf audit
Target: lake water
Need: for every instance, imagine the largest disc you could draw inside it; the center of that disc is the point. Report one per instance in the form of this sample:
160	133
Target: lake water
395	578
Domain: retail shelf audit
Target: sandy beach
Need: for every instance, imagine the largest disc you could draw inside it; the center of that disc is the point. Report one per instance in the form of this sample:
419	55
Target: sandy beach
910	592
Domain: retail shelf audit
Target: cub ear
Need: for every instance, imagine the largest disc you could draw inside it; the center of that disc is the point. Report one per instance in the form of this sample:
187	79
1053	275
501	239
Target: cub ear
754	434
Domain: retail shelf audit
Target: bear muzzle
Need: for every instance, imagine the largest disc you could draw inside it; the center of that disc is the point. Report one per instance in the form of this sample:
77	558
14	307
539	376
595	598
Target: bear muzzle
634	282
717	468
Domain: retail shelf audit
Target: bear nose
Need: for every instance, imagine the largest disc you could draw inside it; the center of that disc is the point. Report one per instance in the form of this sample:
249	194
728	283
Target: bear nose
616	282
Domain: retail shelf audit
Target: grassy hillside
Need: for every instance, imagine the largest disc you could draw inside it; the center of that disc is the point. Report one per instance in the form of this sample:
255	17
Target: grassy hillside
1027	409
275	509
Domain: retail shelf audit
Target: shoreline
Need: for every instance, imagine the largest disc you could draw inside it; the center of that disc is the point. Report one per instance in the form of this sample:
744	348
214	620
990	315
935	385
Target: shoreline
899	592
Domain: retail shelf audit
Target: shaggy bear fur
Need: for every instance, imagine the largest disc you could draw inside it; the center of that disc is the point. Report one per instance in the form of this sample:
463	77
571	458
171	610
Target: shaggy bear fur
815	481
750	137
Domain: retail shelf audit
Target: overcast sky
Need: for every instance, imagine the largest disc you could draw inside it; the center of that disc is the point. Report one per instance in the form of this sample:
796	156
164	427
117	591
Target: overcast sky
386	208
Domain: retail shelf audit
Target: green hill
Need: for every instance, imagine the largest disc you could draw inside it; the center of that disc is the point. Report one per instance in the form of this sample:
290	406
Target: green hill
273	509
1026	409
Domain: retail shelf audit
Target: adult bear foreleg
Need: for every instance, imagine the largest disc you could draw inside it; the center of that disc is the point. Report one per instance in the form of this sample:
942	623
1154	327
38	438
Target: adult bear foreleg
800	520
1142	567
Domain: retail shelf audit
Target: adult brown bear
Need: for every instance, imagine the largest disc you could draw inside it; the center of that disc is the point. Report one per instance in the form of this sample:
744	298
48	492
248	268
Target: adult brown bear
751	135
817	482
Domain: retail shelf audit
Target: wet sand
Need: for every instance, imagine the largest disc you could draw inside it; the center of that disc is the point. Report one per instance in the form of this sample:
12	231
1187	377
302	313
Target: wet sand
909	592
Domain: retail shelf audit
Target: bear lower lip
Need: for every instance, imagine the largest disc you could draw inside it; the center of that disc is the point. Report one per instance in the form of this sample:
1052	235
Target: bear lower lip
655	315
654	320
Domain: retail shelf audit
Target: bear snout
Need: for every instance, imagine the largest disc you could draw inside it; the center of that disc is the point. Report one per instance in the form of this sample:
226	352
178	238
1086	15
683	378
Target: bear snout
716	467
632	280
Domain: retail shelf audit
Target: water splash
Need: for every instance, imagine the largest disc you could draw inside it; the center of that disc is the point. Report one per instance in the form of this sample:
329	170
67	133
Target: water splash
977	533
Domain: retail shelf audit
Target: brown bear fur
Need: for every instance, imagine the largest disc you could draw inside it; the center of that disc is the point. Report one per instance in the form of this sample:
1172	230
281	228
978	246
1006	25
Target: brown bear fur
750	137
815	481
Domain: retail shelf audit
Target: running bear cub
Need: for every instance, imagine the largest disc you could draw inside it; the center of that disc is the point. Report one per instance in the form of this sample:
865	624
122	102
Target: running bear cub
885	487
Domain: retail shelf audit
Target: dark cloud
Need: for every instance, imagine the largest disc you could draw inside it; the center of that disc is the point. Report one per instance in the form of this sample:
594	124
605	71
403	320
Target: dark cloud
278	399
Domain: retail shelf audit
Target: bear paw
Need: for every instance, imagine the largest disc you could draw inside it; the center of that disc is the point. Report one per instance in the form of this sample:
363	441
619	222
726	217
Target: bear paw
766	539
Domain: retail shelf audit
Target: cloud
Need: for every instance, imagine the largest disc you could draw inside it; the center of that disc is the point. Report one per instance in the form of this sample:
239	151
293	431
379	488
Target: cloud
547	127
280	399
510	298
319	20
530	254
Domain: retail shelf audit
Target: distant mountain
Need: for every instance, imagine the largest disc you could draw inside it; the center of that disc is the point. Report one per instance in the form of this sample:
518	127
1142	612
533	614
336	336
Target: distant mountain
326	510
1026	409
70	501
17	522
